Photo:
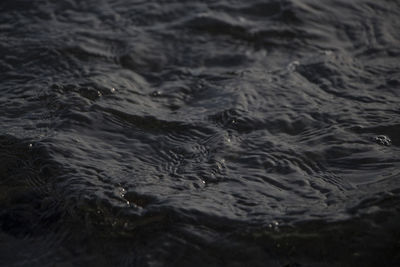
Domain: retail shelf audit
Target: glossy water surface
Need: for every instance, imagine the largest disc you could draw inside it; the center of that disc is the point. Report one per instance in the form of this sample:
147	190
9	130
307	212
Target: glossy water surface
199	133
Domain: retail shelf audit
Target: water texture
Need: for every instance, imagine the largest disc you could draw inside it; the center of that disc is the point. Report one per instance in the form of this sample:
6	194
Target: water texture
199	133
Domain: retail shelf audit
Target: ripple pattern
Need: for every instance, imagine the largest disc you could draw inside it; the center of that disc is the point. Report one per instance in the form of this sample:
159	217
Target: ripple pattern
209	133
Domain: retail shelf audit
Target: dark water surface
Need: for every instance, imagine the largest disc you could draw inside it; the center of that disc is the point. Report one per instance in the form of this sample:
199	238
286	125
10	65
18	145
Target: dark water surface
199	133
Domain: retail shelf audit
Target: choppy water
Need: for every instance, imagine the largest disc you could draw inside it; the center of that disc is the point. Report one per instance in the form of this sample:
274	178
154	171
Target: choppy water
199	133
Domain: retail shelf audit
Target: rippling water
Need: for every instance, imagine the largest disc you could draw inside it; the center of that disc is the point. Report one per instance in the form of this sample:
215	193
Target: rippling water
199	133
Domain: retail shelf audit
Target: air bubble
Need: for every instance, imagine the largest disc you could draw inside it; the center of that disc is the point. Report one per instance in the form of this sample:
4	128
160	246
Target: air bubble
274	225
156	93
120	192
383	140
293	65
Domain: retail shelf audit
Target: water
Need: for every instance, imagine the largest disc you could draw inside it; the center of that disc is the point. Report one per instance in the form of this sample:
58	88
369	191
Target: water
199	133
